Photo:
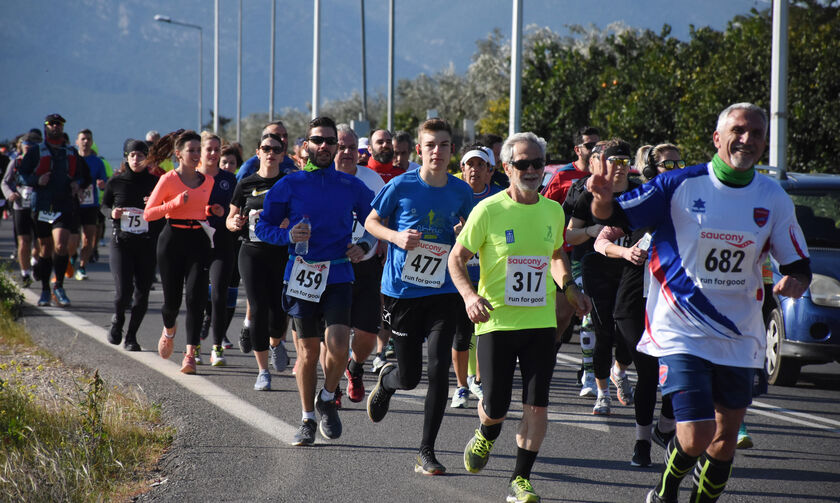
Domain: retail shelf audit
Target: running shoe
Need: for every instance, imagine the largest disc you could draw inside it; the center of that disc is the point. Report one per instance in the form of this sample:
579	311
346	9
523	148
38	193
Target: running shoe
188	364
217	356
197	355
378	363
461	398
426	462
521	491
245	340
623	388
389	349
226	344
475	387
641	454
26	280
45	298
306	433
130	343
477	452
661	438
652	497
60	297
380	399
205	326
602	406
589	386
68	273
263	381
81	274
745	441
166	345
355	387
115	334
330	424
278	356
338	395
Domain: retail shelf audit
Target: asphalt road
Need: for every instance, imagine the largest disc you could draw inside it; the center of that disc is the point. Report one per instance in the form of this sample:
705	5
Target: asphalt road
232	441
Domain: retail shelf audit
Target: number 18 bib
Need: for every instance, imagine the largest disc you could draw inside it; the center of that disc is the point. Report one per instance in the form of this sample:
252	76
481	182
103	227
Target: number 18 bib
525	280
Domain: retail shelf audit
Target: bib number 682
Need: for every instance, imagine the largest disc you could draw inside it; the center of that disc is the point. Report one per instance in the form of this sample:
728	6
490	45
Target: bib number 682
724	260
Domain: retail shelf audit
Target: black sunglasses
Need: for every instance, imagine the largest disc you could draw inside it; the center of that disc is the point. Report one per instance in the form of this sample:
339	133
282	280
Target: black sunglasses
267	149
317	140
588	145
523	164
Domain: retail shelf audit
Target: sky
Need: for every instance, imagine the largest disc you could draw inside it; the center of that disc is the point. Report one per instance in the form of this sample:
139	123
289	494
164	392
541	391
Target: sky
108	66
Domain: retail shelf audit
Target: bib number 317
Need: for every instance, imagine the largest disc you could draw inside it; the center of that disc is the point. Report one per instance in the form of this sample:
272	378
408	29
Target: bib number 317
525	281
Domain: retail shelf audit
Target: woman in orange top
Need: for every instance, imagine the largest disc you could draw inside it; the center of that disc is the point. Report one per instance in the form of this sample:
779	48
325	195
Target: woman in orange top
183	247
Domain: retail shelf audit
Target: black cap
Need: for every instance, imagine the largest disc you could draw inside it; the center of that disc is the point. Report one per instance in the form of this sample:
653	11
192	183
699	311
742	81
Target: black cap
54	118
132	145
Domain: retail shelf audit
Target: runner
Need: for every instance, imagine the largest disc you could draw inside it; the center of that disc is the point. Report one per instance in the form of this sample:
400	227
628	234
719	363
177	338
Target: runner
222	255
19	195
713	226
88	204
132	257
517	235
319	203
416	214
261	264
183	248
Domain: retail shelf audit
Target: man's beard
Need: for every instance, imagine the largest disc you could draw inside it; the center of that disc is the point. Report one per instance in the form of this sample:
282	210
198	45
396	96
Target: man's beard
384	156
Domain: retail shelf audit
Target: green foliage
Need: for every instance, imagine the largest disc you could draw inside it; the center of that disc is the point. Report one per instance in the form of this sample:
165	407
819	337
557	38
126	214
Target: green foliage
11	300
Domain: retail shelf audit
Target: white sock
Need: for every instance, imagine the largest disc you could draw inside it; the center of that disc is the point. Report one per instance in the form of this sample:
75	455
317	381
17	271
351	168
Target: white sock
643	432
308	415
246	323
618	372
326	396
604	392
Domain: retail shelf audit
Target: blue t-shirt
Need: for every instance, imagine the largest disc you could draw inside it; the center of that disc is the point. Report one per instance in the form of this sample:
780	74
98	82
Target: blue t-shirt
97	172
329	198
223	184
251	166
407	202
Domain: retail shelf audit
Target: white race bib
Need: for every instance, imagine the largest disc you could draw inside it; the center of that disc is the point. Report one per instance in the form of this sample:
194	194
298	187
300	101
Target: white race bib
425	265
48	216
358	229
253	218
87	195
525	280
132	221
724	259
25	192
308	281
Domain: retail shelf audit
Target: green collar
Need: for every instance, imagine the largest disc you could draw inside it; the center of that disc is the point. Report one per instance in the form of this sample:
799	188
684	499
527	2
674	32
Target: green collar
731	176
310	167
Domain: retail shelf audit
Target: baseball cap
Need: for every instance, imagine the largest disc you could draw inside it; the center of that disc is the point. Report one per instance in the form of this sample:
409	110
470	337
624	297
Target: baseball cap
54	118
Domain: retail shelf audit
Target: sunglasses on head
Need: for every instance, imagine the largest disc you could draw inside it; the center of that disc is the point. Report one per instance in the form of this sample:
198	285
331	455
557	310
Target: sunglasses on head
619	161
669	165
523	164
317	140
268	148
588	145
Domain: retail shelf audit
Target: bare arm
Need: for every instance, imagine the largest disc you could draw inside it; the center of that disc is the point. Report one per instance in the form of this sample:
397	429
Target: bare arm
561	271
478	308
406	239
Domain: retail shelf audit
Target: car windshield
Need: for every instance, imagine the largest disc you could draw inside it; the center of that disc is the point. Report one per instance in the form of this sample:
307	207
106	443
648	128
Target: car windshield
818	213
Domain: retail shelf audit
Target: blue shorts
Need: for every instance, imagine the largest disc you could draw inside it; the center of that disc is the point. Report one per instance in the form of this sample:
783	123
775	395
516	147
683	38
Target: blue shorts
310	318
696	385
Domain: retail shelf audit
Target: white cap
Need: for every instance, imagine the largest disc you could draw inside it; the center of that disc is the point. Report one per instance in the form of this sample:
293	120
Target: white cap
363	142
482	153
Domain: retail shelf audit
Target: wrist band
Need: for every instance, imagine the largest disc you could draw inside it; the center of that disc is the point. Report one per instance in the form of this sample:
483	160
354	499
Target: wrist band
567	284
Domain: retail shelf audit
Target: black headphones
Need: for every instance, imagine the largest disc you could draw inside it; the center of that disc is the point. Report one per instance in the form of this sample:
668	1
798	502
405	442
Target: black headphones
649	171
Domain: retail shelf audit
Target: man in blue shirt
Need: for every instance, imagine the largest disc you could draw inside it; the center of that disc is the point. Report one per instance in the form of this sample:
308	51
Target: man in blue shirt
88	203
287	165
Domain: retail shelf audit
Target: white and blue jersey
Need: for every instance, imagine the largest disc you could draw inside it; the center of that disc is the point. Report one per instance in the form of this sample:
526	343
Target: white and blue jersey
407	202
708	246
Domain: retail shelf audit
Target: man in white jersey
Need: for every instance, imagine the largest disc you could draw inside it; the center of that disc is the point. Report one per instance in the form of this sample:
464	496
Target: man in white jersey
714	224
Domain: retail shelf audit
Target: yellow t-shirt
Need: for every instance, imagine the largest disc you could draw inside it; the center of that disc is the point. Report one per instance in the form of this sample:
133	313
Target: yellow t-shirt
515	243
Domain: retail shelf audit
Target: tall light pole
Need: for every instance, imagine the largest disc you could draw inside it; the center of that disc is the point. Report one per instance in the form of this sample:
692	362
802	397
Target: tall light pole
390	65
216	70
167	19
778	86
271	65
515	69
239	81
364	67
316	59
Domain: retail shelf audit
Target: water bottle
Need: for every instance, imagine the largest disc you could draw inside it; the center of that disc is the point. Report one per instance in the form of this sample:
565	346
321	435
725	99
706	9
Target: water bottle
302	247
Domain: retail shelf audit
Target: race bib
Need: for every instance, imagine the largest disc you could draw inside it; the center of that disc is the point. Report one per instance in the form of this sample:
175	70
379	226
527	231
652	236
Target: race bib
425	265
25	192
48	216
724	259
87	196
253	218
358	229
307	281
132	221
525	280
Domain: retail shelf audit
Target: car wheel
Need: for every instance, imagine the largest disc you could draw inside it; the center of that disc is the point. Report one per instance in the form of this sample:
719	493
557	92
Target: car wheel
781	371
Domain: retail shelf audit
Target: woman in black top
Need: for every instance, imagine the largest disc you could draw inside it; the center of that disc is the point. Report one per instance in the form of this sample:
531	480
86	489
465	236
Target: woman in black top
133	246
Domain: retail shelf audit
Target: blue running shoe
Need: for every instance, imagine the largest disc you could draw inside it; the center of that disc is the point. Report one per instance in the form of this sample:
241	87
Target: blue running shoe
45	298
263	381
61	297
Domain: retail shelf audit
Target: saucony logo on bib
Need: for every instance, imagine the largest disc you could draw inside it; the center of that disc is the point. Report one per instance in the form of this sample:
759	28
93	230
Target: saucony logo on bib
532	262
434	249
736	240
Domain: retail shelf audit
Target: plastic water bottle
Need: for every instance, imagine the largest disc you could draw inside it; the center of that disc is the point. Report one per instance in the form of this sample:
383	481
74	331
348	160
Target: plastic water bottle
302	247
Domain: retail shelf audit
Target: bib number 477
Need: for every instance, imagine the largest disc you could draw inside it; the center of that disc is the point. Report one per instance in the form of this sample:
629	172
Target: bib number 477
421	264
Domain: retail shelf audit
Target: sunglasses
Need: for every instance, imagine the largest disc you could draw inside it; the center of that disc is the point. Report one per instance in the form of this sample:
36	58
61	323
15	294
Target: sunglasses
523	164
669	165
267	149
53	123
317	140
619	161
588	145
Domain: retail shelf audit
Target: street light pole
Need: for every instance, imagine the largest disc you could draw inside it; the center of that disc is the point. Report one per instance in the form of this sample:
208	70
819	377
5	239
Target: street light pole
167	19
271	65
239	81
216	71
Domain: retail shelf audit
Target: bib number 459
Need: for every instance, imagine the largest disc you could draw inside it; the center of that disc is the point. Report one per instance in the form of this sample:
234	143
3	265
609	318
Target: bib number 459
308	279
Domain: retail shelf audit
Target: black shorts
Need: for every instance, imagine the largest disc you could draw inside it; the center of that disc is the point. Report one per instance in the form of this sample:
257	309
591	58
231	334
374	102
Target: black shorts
366	313
497	355
68	220
464	328
421	315
23	221
88	216
310	318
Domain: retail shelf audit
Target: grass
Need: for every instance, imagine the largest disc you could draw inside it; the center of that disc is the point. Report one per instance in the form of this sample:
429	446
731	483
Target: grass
70	437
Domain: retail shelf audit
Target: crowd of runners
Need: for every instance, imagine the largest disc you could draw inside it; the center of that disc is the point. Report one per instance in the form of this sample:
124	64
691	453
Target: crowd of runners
372	257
